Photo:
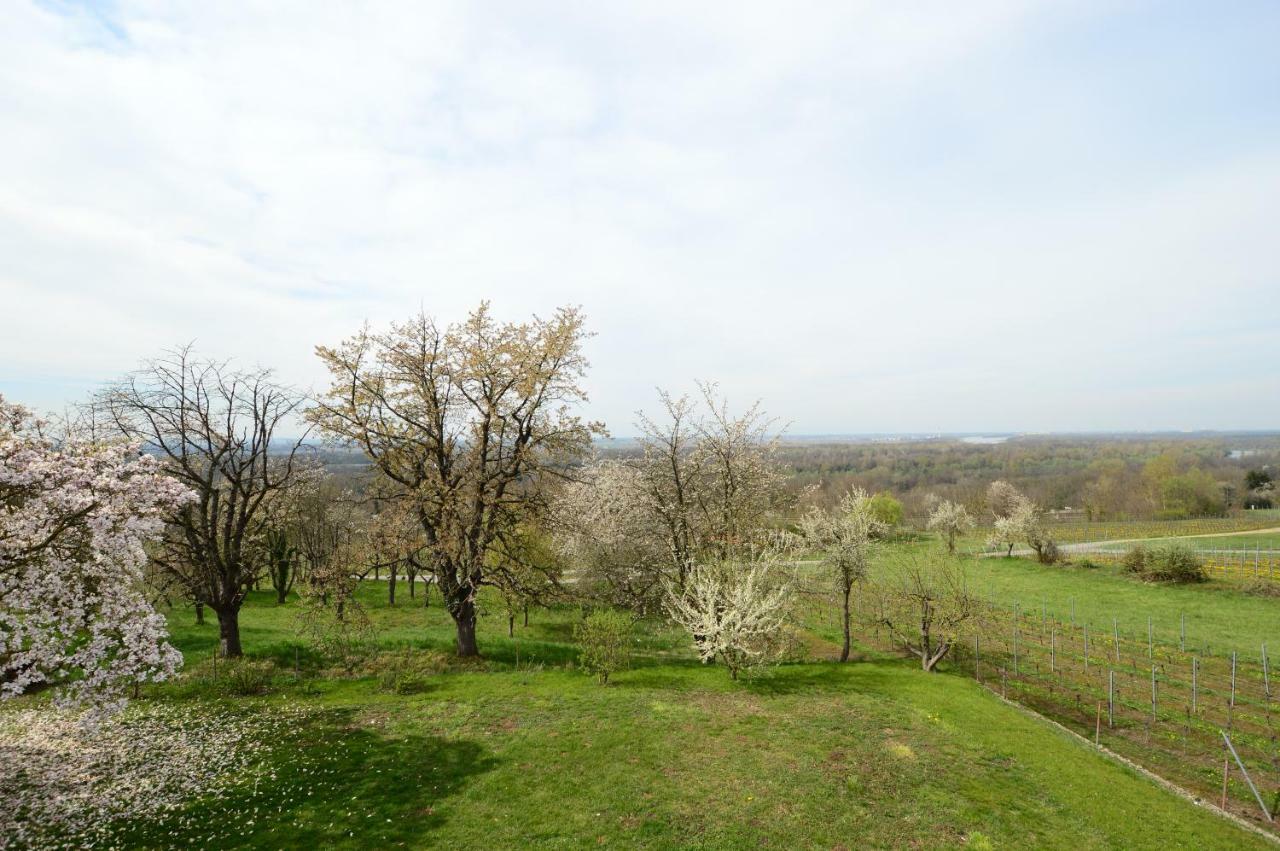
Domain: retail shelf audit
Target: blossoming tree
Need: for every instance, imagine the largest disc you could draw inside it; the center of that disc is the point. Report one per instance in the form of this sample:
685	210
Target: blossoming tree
75	514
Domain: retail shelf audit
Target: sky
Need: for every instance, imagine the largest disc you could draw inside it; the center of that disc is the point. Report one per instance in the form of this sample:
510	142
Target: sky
871	216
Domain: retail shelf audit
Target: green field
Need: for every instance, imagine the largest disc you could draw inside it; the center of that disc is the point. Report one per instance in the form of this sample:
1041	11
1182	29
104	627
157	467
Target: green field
1218	613
672	755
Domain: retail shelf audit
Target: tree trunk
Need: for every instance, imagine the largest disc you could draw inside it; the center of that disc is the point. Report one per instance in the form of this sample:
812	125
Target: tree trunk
844	651
391	587
199	614
526	615
229	633
282	594
465	619
413	585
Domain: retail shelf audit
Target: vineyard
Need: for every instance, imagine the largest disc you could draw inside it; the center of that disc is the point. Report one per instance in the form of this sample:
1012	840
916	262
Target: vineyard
1133	530
1165	705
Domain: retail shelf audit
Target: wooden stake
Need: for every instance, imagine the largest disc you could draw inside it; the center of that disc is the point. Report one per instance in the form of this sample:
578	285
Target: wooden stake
1226	768
1086	645
1097	724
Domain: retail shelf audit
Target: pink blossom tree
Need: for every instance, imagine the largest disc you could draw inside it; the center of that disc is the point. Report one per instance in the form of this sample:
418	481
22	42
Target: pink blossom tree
75	514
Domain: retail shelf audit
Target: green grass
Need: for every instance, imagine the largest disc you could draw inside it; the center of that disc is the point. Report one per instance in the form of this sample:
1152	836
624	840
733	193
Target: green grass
672	755
1218	613
1262	540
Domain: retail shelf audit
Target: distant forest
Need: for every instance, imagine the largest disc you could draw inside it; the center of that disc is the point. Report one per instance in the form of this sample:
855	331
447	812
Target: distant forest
1080	477
1113	477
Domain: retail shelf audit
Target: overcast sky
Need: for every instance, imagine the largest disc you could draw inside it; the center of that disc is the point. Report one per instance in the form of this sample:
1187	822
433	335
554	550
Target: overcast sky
889	216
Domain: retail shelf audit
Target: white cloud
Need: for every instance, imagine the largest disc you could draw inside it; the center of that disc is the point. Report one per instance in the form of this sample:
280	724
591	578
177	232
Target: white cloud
868	214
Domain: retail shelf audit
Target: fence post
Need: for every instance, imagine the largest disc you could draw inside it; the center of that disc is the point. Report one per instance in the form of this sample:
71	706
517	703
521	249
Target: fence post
1015	649
1195	664
1053	640
1154	713
1111	699
1233	687
1150	642
1266	674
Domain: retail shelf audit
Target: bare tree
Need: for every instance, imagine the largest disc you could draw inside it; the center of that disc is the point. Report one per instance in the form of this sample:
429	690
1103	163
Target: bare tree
467	421
924	603
214	428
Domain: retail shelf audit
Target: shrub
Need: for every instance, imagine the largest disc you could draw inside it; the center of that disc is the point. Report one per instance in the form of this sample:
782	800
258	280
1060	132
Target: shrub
1175	563
1048	553
887	509
1088	564
1262	588
407	671
1135	561
244	677
605	637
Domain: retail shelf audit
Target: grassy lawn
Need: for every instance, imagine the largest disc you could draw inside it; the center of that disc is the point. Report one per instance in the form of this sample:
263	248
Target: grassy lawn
671	755
1261	540
1218	613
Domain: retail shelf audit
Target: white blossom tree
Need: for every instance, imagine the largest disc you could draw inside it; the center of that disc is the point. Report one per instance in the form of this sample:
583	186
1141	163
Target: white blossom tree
735	611
615	547
75	514
950	520
1003	499
703	485
846	537
1006	534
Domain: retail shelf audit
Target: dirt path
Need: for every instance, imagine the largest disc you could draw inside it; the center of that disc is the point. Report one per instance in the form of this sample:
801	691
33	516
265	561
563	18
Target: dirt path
1084	545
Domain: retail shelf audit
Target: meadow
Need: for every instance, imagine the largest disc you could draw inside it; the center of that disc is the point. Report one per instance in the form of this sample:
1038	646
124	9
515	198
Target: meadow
523	748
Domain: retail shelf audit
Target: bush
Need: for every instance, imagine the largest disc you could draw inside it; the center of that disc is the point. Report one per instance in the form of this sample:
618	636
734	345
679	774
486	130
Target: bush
244	677
1088	564
887	509
605	637
407	671
1262	588
1049	553
1175	563
1135	561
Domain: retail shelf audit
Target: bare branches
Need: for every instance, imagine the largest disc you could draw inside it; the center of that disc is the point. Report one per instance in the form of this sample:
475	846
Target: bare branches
215	429
924	603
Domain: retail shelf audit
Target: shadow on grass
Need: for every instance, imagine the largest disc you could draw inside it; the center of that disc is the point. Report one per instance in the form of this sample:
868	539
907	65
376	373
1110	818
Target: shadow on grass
340	784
